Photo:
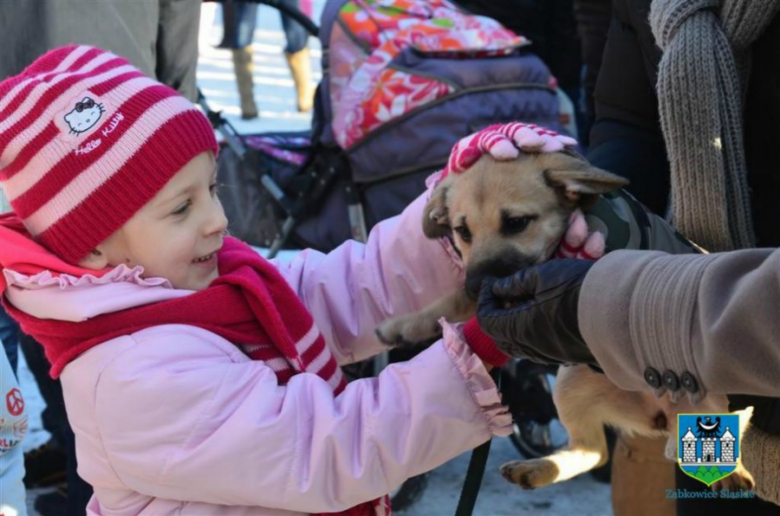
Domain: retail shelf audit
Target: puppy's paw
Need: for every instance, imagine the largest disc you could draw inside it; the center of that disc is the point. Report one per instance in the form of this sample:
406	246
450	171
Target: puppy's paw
387	336
530	474
408	331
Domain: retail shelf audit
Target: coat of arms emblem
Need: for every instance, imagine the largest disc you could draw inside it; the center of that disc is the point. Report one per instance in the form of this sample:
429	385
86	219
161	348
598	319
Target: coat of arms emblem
708	445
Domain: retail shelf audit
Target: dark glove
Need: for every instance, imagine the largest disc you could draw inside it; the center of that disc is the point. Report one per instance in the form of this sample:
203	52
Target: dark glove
533	314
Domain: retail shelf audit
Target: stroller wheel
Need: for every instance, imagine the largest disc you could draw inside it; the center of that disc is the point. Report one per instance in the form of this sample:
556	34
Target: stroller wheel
528	392
536	440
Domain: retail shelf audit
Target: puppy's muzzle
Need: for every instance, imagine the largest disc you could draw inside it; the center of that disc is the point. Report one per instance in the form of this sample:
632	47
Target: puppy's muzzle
498	267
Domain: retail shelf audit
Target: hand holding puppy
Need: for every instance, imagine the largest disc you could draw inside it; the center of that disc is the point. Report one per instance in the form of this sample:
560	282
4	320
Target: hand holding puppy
504	142
524	330
533	313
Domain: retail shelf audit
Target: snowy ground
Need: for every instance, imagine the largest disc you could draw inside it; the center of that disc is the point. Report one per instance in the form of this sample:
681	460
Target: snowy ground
274	94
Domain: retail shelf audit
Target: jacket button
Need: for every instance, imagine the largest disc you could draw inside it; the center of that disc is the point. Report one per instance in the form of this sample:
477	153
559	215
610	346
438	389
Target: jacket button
671	381
689	382
652	378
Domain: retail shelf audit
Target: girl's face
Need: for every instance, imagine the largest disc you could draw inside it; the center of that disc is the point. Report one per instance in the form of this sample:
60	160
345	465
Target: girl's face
177	234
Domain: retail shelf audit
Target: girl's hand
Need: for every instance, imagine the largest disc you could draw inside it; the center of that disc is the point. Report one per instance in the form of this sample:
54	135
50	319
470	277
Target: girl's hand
504	142
578	243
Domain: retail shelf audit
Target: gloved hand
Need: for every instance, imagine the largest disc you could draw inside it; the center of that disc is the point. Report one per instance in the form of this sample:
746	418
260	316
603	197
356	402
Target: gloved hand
533	313
504	142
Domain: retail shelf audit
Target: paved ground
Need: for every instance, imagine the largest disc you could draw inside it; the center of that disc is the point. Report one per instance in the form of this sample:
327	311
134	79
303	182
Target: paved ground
275	97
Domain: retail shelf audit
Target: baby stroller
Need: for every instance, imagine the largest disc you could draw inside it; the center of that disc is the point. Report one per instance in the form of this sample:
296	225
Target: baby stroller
403	81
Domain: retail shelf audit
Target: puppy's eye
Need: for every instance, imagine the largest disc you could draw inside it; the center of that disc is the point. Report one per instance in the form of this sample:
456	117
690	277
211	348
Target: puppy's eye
514	225
464	233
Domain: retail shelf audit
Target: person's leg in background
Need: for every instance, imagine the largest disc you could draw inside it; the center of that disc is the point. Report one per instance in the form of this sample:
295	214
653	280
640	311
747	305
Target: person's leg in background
244	69
638	155
298	59
9	329
593	19
238	22
9	336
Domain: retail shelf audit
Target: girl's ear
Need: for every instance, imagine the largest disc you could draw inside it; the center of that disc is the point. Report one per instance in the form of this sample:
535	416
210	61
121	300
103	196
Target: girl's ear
95	260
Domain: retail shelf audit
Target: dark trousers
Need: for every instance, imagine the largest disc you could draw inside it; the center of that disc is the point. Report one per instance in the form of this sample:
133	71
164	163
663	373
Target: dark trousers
296	35
9	336
239	21
636	154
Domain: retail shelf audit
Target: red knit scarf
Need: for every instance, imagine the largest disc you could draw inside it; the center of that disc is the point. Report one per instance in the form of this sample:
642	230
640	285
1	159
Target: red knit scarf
249	304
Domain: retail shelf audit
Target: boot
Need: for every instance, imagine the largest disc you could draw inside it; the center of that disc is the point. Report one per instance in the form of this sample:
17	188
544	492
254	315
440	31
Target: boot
243	68
45	465
300	68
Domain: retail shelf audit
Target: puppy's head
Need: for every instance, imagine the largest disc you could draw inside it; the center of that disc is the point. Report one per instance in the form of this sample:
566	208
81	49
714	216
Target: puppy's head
507	215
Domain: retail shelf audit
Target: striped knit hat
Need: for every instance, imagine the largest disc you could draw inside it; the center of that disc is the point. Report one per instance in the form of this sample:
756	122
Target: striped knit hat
86	140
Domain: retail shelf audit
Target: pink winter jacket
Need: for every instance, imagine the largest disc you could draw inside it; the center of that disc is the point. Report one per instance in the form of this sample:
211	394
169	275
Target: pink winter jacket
177	420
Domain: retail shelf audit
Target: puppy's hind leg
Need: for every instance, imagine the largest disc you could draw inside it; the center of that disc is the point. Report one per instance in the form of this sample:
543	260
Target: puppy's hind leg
575	394
423	326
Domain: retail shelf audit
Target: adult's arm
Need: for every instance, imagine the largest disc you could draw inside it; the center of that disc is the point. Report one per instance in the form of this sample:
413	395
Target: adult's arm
711	321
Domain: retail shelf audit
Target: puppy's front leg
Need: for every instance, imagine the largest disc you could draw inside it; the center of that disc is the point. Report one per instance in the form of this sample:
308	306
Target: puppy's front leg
578	391
423	326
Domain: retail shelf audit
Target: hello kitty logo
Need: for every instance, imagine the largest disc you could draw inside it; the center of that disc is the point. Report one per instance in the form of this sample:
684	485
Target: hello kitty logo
86	120
84	115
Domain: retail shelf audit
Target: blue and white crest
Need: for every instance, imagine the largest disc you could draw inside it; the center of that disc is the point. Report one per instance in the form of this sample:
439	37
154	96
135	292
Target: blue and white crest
708	445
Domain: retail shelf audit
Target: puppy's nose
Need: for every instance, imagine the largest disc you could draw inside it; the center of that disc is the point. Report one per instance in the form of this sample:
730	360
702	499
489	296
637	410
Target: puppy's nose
497	267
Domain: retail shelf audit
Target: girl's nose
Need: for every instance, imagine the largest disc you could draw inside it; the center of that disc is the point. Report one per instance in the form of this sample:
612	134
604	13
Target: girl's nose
217	222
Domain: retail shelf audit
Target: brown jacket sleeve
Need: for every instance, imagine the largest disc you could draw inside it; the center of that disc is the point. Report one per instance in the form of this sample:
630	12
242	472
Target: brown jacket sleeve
686	323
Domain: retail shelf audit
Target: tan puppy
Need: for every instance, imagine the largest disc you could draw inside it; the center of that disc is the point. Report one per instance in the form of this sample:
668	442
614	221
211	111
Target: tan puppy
503	217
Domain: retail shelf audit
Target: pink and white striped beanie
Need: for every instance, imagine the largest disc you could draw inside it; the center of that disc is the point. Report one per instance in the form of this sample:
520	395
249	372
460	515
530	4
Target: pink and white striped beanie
86	140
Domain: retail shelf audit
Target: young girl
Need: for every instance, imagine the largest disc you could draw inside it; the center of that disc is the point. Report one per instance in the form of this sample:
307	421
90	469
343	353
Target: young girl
198	377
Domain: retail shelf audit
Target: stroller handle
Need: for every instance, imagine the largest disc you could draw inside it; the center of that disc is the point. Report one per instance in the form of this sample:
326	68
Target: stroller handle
290	11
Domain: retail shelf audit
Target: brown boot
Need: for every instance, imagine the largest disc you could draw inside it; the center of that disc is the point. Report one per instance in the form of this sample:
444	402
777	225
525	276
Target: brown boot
300	68
243	68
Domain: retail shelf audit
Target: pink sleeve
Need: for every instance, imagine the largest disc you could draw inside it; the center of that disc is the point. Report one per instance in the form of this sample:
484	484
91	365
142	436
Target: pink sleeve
350	290
216	428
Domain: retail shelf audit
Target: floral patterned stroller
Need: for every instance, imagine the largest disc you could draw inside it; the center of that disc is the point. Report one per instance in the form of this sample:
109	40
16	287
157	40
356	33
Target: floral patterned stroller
403	80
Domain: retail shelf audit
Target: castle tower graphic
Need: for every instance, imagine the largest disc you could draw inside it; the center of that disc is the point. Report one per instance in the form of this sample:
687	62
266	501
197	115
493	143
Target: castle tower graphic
689	446
727	446
708	450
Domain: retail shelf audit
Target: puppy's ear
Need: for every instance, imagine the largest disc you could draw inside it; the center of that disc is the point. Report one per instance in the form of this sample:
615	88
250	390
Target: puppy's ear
579	181
436	220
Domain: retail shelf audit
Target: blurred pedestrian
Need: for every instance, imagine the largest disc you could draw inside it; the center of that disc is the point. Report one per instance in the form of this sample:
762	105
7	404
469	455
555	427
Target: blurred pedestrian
239	20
